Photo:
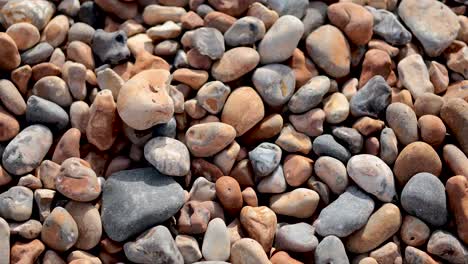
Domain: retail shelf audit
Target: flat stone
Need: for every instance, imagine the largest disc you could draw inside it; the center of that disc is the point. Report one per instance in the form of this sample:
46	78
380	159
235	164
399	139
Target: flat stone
296	238
123	214
207	139
309	95
275	83
371	99
168	156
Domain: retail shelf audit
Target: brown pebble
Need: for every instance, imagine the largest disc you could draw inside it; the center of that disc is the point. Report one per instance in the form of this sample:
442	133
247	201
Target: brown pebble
191	20
197	60
26	252
235	63
414	232
121	9
292	141
104	123
457	191
366	125
243	173
263	13
439	77
229	194
193	78
354	20
456	160
88	221
10	126
80	52
68	146
59	230
9	55
269	127
45	69
201	167
304	69
79	115
21	76
297	169
24	34
428	104
218	20
414	255
56	31
207	139
260	224
376	62
250	197
282	257
310	122
432	130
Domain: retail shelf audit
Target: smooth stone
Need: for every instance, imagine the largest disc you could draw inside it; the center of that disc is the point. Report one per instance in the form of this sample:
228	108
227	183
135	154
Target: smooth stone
21	76
43	198
382	225
235	63
273	183
388	146
428	104
188	247
10	57
204	140
292	141
243	110
68	146
27	252
340	219
50	256
19	158
314	17
54	89
414	158
56	31
275	83
269	127
30	229
388	27
309	95
296	238
336	108
299	203
123	215
229	194
91	14
388	253
326	145
69	7
216	243
24	34
121	9
414	232
265	158
75	76
371	99
438	74
157	14
245	31
212	96
280	40
259	224
288	7
59	230
248	251
202	190
250	197
168	156
457	196
454	114
208	42
109	79
39	53
351	137
329	49
16	203
81	52
424	197
110	47
321	188
88	221
310	122
376	62
42	111
154	246
11	98
432	130
433	23
297	169
166	129
77	180
281	257
414	75
414	255
37	13
4	241
79	115
103	122
354	20
80	255
447	246
331	250
332	172
81	32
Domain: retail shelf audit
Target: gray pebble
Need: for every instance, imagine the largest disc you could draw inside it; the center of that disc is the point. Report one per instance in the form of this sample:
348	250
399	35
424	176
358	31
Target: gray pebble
315	16
387	26
169	156
447	247
50	114
204	9
424	197
309	95
331	250
39	53
288	7
124	212
388	146
402	119
353	139
265	158
202	190
111	47
245	31
168	129
372	98
188	247
326	145
81	32
16	203
166	48
275	83
28	230
321	188
4	242
296	238
154	246
340	218
69	7
212	96
209	42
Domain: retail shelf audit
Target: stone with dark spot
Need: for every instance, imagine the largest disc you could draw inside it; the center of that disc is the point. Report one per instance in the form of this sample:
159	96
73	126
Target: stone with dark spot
111	47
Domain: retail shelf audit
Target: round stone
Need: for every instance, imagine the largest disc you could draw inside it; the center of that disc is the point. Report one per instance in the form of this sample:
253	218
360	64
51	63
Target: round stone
59	230
432	130
167	155
275	83
414	232
229	194
300	203
207	139
54	89
24	34
265	158
16	203
297	169
245	31
355	21
332	172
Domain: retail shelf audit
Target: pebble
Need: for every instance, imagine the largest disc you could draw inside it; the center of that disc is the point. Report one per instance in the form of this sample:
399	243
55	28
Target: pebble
43	198
226	158
41	111
265	158
388	146
314	17
263	13
354	20
10	57
382	225
216	244
154	246
69	7
428	104
168	156
414	255
432	130
281	257
146	86
455	159
11	98
54	89
123	215
297	169
310	122
296	238
273	183
25	35
275	83
89	225
30	229
273	47
259	224
235	63
388	253
414	158
192	78
229	194
447	247
288	7
340	219
336	108
81	52
202	190
158	14
51	257
5	241
194	218
439	77
424	197
204	140
103	122
21	77
402	119
269	127
431	22
326	145
250	197
414	232
81	32
16	203
351	137
110	47
75	76
38	13
299	203
56	31
59	230
292	141
188	247
331	250
91	14
245	31
243	110
414	75
26	252
19	158
309	95
329	49
456	188
215	19
123	10
212	96
79	255
208	42
39	53
332	172
371	99
248	251
387	26
376	62
454	114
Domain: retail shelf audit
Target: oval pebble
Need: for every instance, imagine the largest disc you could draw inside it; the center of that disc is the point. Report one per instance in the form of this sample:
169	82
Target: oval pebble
167	155
275	83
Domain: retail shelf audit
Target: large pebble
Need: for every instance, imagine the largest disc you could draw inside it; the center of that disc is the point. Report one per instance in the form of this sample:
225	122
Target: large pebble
10	57
332	172
265	158
207	139
340	219
24	34
216	244
89	224
329	49
454	113
59	230
331	250
168	156
387	26
245	31
351	137
124	215
372	175
77	180
309	95
19	158
275	83
260	224
247	251
447	247
296	238
456	160
433	23
56	31
235	63
326	145
414	75
388	253
424	197
154	246
457	187
42	111
27	252
354	20
372	98
16	203
279	42
37	13
300	203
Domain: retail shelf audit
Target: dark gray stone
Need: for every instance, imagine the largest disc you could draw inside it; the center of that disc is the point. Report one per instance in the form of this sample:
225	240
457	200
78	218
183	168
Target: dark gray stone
331	250
296	238
166	129
16	203
348	213
265	158
315	16
372	98
424	197
155	246
309	95
39	53
111	47
326	145
447	247
135	200
91	14
245	31
209	42
50	114
387	26
388	146
351	137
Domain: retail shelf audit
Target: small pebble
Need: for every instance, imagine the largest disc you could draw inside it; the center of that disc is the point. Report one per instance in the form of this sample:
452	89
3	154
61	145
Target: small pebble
16	203
59	230
296	238
216	243
167	155
332	172
299	203
326	145
331	250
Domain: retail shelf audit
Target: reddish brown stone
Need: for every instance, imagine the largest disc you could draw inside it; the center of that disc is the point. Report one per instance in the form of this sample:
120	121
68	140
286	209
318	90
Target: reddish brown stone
229	194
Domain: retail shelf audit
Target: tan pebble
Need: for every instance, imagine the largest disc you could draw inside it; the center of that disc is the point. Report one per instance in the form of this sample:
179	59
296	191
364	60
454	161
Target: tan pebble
157	14
9	55
402	96
349	88
376	62
383	46
388	253
79	115
454	113
336	108
54	89
11	98
250	197
88	221
193	78
297	169
82	255
269	127
24	34
45	69
235	63
457	90
402	119
75	76
50	257
104	123
300	203
229	194
263	13
21	76
191	20
226	158
248	251
68	146
292	141
109	79
260	224
332	172
432	130
56	31
368	260
78	51
354	20
193	109
457	191
428	104
57	57
205	140
219	20
139	44
366	125
414	255
310	122
438	75
121	9
304	69
26	252
132	27
456	160
47	172
30	181
10	127
414	232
